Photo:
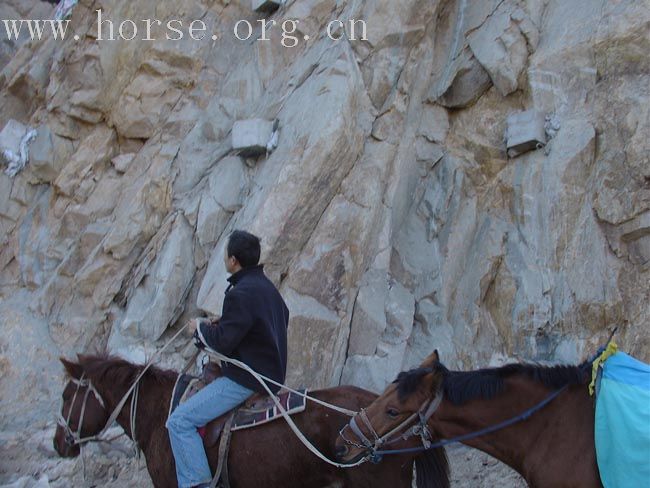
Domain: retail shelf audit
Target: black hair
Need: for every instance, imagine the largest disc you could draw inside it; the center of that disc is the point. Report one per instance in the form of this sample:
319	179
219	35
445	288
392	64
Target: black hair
463	386
409	381
245	247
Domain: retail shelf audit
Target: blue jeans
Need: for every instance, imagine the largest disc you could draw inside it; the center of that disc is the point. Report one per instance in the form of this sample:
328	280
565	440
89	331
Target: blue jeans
217	398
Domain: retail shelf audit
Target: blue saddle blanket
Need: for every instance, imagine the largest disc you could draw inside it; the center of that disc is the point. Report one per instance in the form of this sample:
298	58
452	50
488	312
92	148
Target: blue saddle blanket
622	431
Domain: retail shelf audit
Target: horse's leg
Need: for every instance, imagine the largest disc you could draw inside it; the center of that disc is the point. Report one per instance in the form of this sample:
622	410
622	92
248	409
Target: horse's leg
160	461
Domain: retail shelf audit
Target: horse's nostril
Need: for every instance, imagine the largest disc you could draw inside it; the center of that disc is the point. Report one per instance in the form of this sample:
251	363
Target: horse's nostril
341	451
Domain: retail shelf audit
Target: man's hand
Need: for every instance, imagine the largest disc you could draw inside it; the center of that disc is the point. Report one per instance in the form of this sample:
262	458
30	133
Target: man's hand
213	319
193	324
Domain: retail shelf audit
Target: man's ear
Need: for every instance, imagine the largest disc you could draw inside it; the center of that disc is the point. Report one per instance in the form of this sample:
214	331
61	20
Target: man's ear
74	370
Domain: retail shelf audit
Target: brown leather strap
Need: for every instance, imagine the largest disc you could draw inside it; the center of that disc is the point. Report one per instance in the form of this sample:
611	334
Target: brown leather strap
190	362
225	478
224	446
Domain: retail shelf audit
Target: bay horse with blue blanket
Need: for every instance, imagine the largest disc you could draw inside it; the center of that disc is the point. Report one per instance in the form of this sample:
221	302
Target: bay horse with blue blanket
538	420
266	456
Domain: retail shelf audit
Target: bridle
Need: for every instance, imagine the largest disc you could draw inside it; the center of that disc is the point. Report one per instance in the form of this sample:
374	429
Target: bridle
74	437
418	429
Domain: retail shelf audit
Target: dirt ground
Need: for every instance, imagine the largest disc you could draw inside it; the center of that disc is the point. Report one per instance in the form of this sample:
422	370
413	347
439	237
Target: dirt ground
471	468
28	460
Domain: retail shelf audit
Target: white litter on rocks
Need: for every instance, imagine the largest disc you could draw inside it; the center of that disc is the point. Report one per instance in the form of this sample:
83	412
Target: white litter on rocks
273	141
16	161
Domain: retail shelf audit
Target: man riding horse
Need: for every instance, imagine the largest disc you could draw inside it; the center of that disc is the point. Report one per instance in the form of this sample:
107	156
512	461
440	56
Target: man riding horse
253	330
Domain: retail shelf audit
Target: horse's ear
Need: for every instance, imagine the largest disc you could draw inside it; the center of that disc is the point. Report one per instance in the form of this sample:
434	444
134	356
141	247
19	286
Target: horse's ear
74	370
430	360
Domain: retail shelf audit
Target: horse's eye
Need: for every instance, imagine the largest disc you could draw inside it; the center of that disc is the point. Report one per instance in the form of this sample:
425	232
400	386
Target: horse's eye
392	413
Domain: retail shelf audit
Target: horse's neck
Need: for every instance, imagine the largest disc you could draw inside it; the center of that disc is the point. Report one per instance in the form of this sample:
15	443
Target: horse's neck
151	410
530	445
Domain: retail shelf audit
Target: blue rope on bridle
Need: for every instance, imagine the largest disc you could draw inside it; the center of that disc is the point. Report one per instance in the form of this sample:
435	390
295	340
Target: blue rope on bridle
488	430
376	455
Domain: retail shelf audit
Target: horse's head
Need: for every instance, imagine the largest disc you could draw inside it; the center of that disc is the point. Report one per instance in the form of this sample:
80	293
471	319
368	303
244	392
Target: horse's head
401	408
83	412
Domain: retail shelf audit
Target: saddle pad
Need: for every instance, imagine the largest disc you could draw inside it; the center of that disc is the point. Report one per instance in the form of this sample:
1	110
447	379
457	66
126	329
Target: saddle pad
622	430
266	411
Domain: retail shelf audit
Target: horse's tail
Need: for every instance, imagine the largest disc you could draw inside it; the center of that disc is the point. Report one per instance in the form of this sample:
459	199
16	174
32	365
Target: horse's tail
432	469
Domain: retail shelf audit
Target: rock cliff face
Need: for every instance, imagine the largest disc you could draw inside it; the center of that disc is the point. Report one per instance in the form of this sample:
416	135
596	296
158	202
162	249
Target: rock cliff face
391	217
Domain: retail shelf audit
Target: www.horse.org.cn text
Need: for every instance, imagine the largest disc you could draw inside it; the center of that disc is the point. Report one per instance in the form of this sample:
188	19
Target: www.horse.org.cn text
287	32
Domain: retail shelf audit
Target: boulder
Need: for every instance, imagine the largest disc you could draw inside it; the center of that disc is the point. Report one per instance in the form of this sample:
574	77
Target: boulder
313	334
369	316
48	154
250	137
28	365
465	82
122	162
159	299
145	203
502	47
266	6
79	175
525	132
434	123
221	198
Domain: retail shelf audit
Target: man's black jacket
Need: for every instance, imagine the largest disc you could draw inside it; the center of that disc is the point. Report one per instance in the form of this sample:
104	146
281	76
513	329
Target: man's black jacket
252	329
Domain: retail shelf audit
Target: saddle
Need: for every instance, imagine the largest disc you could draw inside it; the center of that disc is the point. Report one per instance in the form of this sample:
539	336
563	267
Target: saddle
257	410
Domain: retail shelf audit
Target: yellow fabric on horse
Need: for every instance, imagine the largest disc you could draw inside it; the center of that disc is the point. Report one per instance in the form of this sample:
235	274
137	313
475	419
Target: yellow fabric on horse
610	350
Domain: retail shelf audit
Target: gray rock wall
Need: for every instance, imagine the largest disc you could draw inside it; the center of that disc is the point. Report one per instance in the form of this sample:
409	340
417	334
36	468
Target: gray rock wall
391	218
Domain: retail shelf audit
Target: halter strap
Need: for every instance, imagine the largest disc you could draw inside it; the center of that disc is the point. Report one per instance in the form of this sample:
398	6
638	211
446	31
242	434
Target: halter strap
359	433
420	429
91	387
75	437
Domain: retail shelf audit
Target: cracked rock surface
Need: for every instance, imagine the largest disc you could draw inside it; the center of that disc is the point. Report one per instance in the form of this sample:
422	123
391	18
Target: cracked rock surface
391	218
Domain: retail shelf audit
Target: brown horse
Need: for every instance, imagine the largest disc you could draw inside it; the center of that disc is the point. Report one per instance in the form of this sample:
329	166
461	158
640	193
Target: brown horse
266	456
553	447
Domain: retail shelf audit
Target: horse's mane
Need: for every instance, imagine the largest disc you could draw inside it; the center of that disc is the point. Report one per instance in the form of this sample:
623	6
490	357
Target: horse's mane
432	468
106	368
462	386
